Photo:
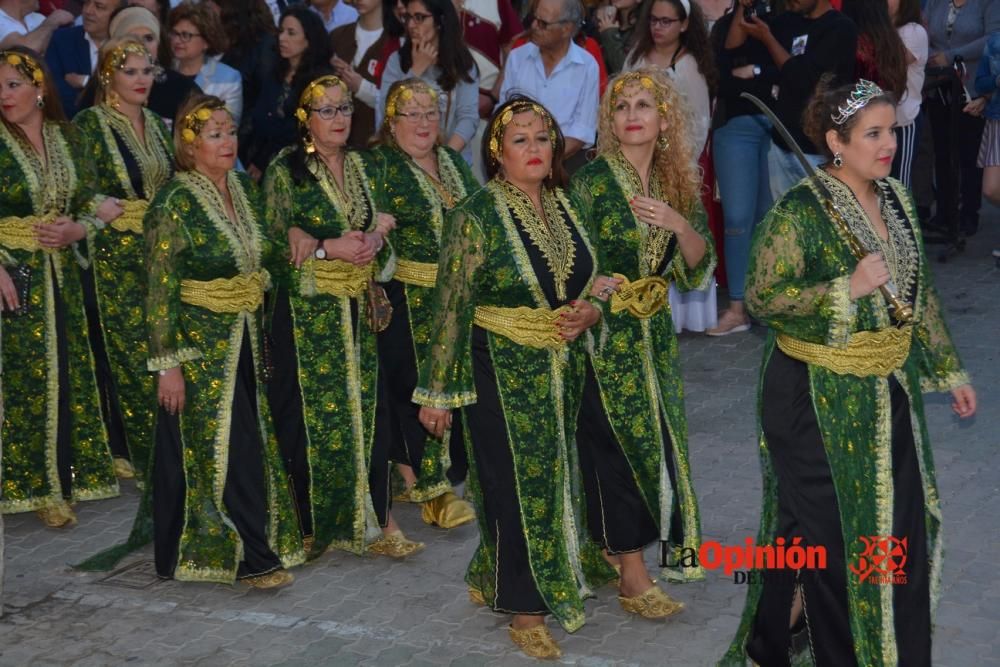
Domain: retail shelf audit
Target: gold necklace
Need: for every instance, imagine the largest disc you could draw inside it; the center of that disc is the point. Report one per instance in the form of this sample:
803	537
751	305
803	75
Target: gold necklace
548	232
653	240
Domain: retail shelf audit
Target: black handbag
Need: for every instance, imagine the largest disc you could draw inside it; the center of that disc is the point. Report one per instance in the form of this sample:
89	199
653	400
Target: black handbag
21	276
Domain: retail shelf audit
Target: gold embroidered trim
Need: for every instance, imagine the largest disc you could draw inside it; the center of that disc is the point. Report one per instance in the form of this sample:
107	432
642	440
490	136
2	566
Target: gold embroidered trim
642	298
241	293
435	399
353	200
867	353
18	233
952	380
173	360
243	233
548	232
338	278
422	274
531	327
131	218
653	240
441	194
153	156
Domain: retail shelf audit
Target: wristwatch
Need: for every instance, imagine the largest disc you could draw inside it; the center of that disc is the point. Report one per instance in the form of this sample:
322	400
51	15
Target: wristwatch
320	252
756	70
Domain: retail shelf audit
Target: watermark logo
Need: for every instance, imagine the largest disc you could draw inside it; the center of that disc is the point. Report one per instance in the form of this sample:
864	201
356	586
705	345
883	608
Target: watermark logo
746	563
882	561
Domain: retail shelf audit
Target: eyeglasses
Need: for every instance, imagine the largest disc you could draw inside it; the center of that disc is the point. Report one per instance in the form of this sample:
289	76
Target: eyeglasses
417	116
663	21
542	24
184	36
330	112
416	17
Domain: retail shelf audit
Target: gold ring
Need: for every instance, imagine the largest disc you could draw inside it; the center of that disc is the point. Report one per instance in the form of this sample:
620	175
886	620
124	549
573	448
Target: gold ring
651	210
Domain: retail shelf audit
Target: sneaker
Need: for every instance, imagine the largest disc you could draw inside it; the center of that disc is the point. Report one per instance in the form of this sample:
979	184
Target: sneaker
730	323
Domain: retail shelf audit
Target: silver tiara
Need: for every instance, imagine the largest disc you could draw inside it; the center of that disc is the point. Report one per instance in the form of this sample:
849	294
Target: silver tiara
864	92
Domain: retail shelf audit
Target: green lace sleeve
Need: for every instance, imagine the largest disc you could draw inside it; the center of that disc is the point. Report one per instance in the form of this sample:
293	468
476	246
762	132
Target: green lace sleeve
446	381
165	237
279	214
779	291
86	197
699	276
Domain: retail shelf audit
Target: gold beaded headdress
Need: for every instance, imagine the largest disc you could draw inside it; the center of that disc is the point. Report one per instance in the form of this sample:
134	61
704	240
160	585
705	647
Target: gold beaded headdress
499	126
315	91
864	92
404	93
116	59
27	66
644	80
195	120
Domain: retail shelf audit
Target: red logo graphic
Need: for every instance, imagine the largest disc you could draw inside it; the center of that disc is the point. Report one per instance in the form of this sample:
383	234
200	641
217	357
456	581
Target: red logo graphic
882	561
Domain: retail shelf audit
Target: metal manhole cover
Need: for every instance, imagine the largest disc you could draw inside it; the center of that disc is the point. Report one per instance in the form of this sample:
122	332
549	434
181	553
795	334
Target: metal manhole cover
136	575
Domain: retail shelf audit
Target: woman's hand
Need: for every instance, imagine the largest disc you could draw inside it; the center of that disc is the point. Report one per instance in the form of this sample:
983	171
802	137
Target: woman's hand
170	390
60	233
384	223
8	292
975	107
939	59
870	274
604	286
659	214
435	420
579	319
254	172
351	247
425	56
964	401
109	209
607	18
343	69
302	245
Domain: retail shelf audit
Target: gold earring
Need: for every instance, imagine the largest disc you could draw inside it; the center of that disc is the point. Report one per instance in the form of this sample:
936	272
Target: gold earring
114	100
40	102
309	146
838	160
662	143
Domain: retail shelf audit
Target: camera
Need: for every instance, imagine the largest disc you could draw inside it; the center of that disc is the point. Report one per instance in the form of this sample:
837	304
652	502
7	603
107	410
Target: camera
757	9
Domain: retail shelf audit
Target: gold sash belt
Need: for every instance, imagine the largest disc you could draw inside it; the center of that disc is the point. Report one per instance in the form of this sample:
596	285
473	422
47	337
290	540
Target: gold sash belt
531	327
340	278
18	233
422	274
227	295
131	218
643	298
867	353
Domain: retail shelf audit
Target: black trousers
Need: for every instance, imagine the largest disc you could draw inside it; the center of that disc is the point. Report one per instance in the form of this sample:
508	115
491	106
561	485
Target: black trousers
245	491
618	517
808	508
516	591
64	423
958	180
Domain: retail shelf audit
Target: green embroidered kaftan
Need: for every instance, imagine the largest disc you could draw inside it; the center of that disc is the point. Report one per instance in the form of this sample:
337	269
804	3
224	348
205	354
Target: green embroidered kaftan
189	236
636	361
62	185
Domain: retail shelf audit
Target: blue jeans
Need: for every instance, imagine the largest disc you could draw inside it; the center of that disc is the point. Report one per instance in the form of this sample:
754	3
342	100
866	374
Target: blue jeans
739	149
786	171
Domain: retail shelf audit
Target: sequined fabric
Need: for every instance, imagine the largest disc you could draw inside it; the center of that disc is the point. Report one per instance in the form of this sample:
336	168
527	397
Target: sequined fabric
61	186
798	284
189	236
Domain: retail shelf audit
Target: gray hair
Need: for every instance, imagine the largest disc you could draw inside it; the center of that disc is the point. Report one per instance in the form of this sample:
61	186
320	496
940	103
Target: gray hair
573	13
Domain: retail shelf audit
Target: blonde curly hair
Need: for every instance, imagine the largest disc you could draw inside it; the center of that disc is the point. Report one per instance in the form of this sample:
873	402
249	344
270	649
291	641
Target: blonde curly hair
674	165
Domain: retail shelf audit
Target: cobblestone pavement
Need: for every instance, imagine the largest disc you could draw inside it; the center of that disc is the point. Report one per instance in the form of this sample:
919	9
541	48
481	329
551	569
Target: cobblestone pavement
346	610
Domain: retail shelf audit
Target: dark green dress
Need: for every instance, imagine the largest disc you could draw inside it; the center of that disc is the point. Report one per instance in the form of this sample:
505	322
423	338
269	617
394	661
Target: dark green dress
521	401
637	365
324	391
132	171
419	205
845	456
53	417
189	237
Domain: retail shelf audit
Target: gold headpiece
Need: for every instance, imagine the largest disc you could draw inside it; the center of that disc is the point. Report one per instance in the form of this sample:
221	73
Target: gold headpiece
116	59
499	127
644	80
315	91
26	65
195	119
404	93
864	92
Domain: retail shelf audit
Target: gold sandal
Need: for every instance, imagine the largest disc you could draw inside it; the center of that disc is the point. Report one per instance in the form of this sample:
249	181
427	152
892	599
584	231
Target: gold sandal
123	468
447	511
395	545
275	579
654	603
57	515
536	642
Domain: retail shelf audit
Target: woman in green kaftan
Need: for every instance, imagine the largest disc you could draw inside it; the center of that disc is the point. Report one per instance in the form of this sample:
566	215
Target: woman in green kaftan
419	181
222	509
515	269
844	447
641	199
132	154
52	420
321	212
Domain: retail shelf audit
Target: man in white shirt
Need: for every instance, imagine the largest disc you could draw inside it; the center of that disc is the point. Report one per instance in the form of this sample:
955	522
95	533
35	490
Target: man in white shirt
334	13
22	25
556	72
